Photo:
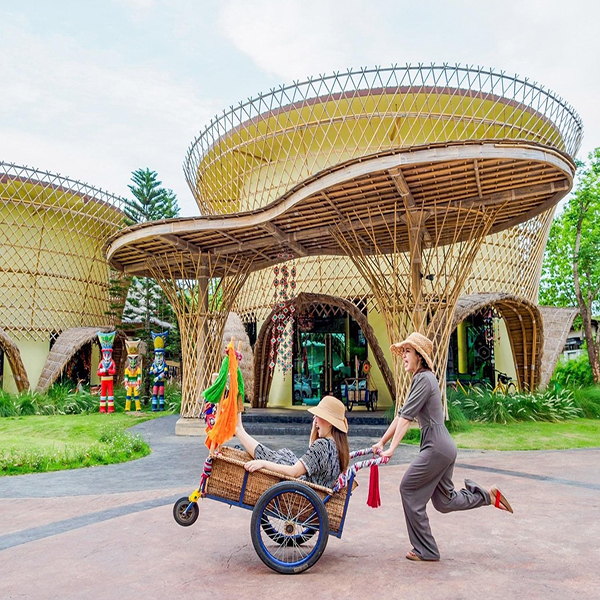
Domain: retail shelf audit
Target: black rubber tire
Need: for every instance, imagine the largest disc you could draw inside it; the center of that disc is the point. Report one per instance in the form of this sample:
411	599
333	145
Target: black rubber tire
302	510
374	396
185	512
511	389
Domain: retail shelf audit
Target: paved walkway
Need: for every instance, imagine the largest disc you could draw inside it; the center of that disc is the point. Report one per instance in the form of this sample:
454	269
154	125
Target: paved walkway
108	532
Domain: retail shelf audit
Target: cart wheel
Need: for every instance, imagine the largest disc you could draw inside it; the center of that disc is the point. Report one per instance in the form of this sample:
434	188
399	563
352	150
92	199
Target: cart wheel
185	512
282	539
289	527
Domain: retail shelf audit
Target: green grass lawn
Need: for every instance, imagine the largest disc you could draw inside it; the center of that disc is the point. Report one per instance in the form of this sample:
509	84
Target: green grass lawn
530	435
56	431
49	443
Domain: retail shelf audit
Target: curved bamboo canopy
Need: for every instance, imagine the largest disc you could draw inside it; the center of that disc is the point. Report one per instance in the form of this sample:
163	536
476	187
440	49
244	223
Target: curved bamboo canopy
452	187
14	360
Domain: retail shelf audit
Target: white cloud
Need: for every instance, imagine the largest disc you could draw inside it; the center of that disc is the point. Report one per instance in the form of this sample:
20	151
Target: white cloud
91	114
547	41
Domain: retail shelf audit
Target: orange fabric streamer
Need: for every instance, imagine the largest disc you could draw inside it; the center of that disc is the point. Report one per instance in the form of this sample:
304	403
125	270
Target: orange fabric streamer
224	428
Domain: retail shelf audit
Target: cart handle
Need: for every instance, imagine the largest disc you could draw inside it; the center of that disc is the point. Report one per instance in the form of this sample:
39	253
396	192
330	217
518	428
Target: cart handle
344	477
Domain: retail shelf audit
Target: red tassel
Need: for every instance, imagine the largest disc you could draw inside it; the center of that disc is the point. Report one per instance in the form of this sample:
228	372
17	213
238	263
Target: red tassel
374	500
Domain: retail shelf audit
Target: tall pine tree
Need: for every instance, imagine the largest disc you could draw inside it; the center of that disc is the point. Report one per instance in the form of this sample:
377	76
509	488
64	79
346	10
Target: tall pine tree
146	302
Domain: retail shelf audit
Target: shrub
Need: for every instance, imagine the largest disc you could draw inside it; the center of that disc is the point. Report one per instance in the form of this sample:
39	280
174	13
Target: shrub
485	407
588	400
26	404
7	405
574	373
456	417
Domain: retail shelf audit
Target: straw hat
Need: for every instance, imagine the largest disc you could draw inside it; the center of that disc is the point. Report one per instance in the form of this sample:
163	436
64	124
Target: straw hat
332	410
423	345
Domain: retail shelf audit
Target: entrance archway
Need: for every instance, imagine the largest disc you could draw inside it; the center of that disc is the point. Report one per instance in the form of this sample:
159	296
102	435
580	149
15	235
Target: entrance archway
525	329
263	375
14	360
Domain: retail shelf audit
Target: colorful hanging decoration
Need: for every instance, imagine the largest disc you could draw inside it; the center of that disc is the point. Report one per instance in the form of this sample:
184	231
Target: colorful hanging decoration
106	372
158	369
230	400
132	379
284	284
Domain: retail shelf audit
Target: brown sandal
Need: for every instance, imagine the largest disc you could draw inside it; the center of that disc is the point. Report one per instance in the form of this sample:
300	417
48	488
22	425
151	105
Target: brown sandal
412	556
501	502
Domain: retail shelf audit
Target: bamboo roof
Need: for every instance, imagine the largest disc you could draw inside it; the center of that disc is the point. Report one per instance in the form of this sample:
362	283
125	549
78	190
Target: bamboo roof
257	151
274	175
53	273
456	181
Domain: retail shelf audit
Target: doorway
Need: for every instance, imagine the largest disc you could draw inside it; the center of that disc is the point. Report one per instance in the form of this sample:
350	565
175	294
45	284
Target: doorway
324	350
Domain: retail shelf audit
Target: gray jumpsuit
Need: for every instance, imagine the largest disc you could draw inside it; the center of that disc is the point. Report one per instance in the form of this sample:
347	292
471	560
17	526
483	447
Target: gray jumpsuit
430	474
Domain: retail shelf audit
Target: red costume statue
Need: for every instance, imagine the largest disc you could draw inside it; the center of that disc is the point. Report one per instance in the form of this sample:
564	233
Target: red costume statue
106	371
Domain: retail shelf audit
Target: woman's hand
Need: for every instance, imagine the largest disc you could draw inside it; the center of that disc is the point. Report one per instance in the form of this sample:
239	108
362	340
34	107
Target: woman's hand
378	447
389	453
255	465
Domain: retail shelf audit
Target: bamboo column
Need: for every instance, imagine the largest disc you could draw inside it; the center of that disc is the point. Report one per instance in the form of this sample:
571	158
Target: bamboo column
416	266
201	303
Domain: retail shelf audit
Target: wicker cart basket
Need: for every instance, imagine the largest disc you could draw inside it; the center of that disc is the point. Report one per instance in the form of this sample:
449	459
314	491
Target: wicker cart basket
227	477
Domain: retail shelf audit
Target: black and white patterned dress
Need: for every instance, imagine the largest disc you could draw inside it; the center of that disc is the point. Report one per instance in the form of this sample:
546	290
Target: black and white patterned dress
321	461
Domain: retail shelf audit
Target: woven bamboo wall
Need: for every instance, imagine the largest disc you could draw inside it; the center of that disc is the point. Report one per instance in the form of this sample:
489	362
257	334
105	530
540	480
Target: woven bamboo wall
257	151
53	274
509	262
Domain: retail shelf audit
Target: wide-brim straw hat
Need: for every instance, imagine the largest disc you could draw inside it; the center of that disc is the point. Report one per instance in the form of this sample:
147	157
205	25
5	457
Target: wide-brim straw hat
422	344
333	411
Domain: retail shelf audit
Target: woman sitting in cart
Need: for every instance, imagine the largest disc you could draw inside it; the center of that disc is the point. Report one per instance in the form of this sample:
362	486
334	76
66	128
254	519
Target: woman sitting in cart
327	455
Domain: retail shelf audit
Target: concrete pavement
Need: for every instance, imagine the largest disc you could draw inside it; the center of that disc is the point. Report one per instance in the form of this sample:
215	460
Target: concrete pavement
108	532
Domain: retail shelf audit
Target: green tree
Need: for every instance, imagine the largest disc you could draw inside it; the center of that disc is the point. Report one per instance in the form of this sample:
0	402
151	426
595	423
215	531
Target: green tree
151	201
146	302
571	270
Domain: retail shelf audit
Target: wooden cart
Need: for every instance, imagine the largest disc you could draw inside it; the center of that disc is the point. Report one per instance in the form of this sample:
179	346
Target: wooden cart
291	519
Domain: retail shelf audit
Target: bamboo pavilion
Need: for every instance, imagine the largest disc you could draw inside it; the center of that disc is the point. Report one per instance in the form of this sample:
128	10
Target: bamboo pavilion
345	211
54	277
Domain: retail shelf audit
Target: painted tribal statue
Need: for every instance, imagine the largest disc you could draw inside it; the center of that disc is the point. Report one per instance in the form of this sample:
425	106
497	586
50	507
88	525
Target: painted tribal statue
133	375
106	372
158	371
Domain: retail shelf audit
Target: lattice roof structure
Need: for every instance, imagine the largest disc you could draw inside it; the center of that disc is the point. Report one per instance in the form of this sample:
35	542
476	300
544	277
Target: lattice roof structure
53	273
284	168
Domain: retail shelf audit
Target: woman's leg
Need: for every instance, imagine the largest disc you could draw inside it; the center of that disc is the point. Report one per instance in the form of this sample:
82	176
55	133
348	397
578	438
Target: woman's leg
446	499
245	439
418	484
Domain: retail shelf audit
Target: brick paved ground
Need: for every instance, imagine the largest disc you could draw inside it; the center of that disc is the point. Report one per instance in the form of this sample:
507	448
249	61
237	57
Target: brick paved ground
108	532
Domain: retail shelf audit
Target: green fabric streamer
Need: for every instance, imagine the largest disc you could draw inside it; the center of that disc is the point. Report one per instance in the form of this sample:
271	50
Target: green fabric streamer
241	388
214	393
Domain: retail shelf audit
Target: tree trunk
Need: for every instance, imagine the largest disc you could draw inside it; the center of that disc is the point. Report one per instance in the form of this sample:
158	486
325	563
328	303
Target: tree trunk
585	305
149	345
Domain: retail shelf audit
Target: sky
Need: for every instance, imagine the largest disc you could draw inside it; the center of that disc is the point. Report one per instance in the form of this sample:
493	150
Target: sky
95	89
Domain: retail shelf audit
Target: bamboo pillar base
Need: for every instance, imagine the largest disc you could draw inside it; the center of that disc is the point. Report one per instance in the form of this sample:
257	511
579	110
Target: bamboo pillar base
201	304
